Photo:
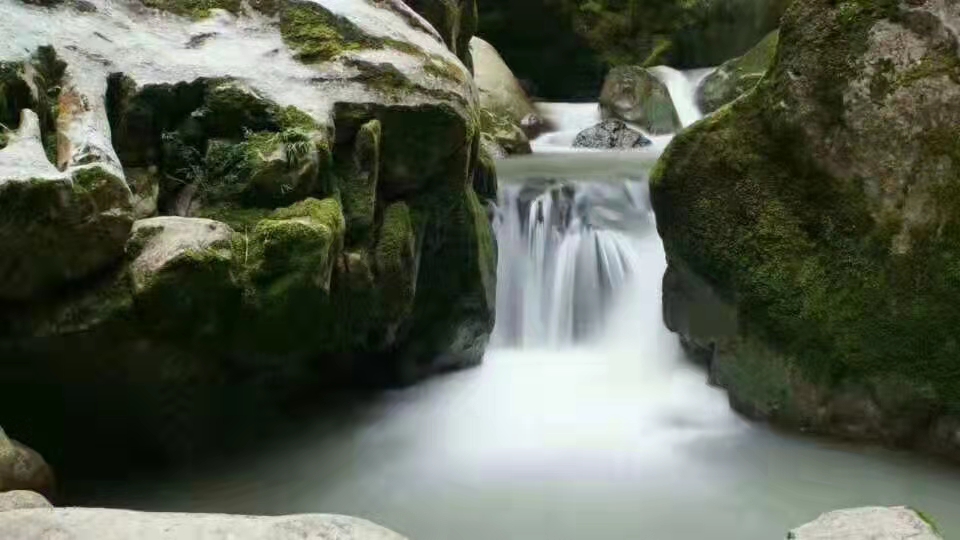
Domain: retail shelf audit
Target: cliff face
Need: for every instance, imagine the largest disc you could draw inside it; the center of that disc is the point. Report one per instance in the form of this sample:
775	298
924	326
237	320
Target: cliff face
213	207
812	227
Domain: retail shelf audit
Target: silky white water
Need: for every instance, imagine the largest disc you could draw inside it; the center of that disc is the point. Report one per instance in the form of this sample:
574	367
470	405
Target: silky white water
585	420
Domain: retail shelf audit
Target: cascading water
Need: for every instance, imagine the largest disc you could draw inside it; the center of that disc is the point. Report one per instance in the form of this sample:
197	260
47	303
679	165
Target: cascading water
562	258
569	246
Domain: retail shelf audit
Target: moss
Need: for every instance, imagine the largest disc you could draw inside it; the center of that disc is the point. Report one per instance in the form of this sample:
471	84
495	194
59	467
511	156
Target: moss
238	218
291	117
744	200
287	264
928	520
443	69
100	190
358	181
317	35
395	261
194	9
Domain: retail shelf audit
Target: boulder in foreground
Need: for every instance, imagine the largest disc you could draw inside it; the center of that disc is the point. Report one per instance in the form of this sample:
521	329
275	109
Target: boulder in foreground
100	524
871	523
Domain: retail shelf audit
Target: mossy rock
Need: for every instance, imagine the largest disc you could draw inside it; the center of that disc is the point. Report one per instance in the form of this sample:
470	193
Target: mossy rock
634	94
421	146
813	208
358	181
287	262
56	231
505	132
395	257
180	274
738	76
453	310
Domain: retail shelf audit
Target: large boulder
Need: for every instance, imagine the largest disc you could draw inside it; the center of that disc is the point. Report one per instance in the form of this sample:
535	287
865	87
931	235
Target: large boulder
738	76
636	95
611	135
816	219
872	523
500	92
102	524
21	468
310	216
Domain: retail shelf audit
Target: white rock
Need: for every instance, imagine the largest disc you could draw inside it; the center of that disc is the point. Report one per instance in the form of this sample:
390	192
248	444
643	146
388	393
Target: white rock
499	90
22	499
871	523
23	158
100	524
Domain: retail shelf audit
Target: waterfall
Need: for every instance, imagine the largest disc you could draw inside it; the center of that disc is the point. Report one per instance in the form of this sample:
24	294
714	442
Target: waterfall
566	249
571	228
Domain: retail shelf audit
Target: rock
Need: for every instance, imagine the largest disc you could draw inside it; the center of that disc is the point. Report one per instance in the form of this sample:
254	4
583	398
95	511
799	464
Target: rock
499	90
194	330
485	175
633	94
145	185
611	134
59	226
505	132
102	524
533	125
359	180
283	167
168	245
21	500
23	469
738	76
815	213
508	114
873	523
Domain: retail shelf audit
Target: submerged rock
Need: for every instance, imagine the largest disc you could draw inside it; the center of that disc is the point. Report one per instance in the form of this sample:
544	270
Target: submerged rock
896	523
611	135
103	524
738	76
816	218
636	95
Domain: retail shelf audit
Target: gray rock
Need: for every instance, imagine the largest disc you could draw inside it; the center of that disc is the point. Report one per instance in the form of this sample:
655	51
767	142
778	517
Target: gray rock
872	523
634	94
21	500
23	468
611	135
101	524
161	243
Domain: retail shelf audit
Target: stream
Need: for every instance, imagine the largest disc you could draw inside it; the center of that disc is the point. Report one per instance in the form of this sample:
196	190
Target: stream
585	420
